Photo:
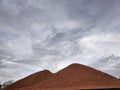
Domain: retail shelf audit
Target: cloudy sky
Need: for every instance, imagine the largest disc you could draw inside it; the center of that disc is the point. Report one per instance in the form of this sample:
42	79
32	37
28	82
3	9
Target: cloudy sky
51	34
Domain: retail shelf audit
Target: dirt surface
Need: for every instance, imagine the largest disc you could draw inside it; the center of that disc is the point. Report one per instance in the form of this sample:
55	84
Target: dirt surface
73	77
30	80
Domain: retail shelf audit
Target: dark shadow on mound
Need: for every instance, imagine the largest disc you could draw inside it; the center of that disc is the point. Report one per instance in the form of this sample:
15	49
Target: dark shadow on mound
101	89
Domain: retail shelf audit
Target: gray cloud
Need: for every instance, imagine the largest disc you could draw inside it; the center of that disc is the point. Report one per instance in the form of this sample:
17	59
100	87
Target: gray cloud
51	34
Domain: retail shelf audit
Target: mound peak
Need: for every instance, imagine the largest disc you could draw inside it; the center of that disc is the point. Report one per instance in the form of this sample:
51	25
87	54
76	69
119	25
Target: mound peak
75	65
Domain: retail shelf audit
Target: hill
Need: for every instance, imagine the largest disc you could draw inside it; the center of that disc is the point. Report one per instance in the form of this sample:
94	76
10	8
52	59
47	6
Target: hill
76	76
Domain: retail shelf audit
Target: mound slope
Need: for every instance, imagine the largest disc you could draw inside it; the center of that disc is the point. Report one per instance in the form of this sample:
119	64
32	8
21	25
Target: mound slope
30	80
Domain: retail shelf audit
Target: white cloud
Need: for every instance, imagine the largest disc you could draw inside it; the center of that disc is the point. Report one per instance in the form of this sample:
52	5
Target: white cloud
104	45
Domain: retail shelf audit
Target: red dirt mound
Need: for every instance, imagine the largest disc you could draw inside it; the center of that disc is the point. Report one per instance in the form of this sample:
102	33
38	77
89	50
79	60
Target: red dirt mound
76	76
30	80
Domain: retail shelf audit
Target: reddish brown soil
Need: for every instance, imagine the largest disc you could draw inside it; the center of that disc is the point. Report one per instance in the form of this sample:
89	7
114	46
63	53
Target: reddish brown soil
75	77
30	80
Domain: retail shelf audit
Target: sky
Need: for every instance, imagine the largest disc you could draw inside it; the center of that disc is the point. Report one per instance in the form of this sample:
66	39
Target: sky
52	34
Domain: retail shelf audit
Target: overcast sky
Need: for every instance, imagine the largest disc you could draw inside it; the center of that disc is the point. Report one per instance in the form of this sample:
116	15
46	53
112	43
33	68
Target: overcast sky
51	34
